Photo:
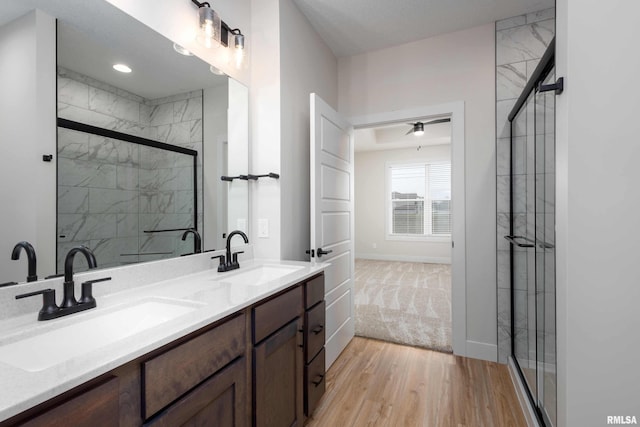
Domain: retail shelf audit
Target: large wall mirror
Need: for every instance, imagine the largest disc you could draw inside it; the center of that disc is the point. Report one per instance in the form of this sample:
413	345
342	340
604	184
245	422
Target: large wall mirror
138	156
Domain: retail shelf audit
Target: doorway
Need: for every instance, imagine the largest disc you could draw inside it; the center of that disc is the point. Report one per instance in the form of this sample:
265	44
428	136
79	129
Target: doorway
456	241
402	287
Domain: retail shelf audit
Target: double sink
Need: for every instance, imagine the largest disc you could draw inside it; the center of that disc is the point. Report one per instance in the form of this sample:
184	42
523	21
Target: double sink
64	339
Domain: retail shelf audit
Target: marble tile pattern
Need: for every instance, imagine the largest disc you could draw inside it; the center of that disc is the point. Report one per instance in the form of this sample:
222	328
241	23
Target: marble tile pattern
111	191
404	302
520	43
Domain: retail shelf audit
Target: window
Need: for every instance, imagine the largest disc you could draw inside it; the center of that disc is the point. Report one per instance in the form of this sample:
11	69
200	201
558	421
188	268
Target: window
419	198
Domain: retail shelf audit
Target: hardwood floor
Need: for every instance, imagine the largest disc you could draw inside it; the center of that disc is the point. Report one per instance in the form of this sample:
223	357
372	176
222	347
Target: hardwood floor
374	383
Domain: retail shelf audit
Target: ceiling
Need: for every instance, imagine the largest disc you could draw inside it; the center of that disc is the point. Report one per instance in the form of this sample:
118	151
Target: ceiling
356	26
393	136
94	35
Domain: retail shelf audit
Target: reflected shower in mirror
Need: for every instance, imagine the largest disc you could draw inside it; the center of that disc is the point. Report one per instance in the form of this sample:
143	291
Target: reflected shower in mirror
183	128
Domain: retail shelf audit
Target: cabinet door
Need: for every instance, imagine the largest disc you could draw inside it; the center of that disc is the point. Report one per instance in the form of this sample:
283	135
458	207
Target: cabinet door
278	374
219	401
95	407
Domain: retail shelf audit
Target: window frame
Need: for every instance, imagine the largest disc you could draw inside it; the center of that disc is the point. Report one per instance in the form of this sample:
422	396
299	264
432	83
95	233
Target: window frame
389	235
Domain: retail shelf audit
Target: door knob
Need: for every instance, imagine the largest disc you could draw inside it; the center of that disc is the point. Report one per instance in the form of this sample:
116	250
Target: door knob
321	252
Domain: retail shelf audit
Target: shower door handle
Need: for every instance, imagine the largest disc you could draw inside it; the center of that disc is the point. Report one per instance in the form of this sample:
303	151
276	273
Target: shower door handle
513	241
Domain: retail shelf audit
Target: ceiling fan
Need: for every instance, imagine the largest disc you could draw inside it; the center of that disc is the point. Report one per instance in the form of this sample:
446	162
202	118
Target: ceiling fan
418	127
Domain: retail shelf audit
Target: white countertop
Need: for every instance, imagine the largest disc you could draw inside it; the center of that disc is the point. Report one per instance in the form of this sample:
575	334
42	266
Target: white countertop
211	298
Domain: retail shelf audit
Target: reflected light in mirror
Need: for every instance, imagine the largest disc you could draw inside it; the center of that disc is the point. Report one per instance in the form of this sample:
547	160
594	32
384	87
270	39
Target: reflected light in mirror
122	68
216	71
181	50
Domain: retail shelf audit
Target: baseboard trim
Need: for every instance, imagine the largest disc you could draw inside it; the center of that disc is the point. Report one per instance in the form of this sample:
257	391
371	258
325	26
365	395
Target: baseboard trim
405	258
527	410
482	351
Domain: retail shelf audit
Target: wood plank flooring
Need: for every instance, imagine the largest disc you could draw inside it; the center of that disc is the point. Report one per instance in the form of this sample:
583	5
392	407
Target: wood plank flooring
374	383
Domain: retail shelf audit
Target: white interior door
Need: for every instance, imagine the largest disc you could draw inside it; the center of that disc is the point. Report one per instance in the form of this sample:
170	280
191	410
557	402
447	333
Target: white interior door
332	219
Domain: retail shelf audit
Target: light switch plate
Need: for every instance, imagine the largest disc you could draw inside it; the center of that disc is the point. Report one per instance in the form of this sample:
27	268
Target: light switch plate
263	228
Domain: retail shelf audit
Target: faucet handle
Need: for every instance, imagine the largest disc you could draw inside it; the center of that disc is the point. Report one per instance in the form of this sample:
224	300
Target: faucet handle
235	256
220	257
87	291
49	307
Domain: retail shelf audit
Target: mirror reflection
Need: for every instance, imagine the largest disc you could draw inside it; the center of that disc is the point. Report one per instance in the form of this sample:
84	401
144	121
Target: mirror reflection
139	154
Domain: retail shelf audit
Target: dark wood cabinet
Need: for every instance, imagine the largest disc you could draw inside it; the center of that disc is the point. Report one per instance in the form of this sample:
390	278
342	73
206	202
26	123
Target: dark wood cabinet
95	406
314	339
314	382
278	378
169	375
278	365
219	401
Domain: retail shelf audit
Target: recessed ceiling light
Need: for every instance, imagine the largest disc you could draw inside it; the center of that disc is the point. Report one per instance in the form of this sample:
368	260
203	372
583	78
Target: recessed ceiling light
181	50
122	68
216	71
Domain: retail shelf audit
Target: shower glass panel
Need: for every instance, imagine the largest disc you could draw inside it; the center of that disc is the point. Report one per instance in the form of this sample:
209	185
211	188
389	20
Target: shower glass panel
523	223
532	238
545	250
127	201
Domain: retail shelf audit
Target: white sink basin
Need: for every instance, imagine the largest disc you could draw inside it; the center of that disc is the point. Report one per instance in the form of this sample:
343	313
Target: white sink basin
258	275
50	348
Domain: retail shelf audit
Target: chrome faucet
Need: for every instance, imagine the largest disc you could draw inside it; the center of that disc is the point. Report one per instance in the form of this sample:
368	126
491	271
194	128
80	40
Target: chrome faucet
50	310
231	262
31	259
196	239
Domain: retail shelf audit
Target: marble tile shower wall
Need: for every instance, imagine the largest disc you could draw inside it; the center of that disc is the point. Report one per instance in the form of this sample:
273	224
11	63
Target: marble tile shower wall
520	43
111	191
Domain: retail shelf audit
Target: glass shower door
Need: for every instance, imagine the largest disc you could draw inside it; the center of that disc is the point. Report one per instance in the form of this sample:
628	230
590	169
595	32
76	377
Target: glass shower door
545	250
523	253
532	238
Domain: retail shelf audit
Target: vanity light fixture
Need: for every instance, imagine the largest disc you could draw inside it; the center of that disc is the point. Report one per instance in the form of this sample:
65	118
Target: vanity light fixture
122	68
238	50
209	25
181	50
213	31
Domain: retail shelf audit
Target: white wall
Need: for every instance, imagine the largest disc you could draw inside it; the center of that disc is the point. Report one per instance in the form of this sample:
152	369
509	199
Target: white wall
307	66
290	63
598	200
265	124
452	67
371	206
28	121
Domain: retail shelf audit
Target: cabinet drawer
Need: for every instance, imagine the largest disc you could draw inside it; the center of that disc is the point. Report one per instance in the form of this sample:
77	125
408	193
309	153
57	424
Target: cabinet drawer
98	406
313	291
314	331
314	383
220	400
168	376
275	313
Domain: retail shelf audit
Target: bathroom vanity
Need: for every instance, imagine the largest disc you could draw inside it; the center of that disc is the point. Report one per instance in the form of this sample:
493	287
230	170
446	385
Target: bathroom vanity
243	348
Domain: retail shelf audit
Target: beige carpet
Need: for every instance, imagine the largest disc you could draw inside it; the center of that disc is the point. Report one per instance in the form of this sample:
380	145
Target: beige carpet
404	302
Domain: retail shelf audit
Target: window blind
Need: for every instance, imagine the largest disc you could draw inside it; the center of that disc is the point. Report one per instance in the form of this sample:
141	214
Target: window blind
421	199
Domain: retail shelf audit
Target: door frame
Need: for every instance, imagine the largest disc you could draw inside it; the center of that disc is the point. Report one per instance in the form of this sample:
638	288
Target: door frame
458	235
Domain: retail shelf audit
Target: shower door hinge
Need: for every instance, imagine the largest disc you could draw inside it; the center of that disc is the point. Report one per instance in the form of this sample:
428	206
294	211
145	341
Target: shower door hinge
558	86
